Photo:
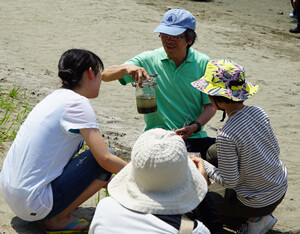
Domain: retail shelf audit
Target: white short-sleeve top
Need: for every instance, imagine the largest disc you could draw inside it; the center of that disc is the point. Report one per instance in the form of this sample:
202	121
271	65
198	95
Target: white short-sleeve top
45	143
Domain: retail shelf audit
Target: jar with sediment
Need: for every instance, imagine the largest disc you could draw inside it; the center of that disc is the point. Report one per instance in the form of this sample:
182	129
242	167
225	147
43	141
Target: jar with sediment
145	97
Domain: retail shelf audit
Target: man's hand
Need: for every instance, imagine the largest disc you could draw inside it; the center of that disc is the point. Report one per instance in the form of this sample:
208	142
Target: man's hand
138	73
185	132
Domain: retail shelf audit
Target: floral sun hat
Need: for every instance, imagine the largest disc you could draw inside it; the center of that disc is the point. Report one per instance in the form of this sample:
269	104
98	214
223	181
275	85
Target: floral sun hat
225	78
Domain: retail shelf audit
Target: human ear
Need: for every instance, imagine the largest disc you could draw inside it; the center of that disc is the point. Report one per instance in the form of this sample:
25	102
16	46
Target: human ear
190	42
90	73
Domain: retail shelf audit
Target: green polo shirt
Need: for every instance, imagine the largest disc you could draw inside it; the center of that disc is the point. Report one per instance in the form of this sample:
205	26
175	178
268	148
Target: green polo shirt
176	97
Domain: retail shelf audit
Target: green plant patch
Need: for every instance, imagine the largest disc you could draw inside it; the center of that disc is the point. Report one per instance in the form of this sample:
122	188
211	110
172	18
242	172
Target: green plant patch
14	108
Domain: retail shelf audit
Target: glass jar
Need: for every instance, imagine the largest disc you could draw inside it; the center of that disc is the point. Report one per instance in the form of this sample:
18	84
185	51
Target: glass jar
145	97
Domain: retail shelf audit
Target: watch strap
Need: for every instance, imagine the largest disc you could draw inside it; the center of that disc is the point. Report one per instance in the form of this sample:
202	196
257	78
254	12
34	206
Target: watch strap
198	124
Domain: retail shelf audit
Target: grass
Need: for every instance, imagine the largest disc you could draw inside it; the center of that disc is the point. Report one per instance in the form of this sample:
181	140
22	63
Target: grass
14	108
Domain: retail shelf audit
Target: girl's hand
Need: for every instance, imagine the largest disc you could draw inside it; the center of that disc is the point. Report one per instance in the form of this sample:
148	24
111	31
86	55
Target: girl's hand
199	162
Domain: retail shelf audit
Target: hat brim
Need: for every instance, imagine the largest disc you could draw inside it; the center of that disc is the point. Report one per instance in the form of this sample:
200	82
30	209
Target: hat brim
124	189
174	31
210	89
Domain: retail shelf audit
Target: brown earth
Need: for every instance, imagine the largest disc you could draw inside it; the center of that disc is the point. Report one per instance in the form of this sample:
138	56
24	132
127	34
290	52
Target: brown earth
254	33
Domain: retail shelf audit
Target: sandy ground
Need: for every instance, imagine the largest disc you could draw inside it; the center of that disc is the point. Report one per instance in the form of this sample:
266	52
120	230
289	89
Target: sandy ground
34	33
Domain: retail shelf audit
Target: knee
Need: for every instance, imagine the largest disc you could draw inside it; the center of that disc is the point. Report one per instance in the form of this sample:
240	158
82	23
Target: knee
211	155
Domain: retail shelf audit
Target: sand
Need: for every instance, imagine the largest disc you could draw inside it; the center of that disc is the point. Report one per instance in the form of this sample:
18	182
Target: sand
254	33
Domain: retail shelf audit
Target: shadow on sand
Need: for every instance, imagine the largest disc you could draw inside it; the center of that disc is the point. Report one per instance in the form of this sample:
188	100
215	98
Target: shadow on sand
24	227
37	227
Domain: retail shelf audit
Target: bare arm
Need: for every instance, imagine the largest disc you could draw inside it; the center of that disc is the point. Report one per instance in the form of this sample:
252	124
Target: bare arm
96	144
200	165
208	112
116	72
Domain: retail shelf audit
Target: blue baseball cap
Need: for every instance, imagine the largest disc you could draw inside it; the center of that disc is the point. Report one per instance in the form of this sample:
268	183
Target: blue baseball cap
176	21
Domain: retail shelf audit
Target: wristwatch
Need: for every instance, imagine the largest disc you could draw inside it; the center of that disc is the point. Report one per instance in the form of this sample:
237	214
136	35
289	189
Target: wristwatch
198	124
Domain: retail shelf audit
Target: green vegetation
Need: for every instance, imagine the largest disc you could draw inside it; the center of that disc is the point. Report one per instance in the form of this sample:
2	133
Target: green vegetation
14	108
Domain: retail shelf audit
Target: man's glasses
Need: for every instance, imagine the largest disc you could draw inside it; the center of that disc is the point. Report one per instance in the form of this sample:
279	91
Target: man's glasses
169	37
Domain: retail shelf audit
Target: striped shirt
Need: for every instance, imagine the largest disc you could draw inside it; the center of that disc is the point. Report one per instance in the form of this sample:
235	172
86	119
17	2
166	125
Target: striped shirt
248	159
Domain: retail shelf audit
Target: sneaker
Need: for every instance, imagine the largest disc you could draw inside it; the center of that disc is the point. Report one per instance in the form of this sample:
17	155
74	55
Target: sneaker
262	226
292	15
295	30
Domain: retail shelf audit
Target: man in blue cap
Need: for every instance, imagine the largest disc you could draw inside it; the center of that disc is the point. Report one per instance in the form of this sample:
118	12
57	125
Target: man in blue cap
179	106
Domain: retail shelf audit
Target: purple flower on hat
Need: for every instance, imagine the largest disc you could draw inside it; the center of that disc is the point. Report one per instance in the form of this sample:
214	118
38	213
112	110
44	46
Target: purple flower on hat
236	93
234	78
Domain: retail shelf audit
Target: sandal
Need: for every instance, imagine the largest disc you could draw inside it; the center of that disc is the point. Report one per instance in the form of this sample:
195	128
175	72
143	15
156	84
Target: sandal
68	228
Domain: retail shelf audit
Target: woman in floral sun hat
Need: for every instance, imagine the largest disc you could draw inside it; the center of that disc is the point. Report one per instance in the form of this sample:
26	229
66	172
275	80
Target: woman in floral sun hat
247	159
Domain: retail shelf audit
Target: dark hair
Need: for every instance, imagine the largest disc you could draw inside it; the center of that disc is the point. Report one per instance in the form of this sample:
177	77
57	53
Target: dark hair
224	99
73	63
190	35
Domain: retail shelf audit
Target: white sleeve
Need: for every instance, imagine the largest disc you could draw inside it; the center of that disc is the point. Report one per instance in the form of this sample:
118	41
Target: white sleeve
79	114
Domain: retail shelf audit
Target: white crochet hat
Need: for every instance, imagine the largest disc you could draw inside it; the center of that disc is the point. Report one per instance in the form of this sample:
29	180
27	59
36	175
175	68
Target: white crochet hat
161	178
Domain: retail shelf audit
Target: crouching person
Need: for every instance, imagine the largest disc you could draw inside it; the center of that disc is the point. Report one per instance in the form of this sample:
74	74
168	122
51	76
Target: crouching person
154	190
248	164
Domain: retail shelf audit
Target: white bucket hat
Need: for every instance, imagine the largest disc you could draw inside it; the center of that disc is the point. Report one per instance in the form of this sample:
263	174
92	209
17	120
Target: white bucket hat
161	178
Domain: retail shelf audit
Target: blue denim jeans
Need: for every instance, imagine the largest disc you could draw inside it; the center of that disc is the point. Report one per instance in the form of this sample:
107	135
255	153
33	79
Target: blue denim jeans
78	174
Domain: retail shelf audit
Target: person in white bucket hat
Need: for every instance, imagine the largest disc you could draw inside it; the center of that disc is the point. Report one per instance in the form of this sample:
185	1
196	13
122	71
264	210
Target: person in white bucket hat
152	192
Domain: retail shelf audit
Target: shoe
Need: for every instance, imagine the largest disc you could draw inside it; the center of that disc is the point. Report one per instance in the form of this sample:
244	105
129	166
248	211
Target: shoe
295	30
292	15
69	230
262	226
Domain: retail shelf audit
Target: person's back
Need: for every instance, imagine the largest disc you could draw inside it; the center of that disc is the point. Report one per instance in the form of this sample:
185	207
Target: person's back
247	161
150	195
40	178
249	130
42	148
114	218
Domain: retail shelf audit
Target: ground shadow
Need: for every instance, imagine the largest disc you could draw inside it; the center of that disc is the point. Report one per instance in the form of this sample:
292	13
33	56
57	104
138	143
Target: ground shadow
24	227
201	0
273	231
37	227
